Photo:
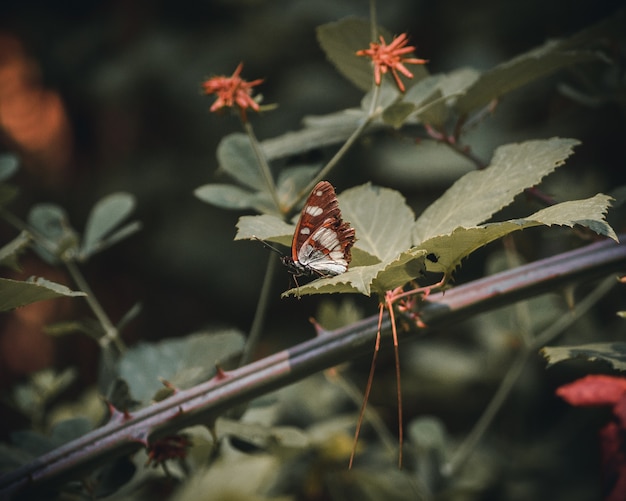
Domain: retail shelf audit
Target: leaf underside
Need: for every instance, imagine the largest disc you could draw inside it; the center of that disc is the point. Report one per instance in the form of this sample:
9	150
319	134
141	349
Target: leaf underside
613	354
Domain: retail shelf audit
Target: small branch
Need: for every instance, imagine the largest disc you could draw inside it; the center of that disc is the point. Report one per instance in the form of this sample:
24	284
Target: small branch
373	112
261	309
262	161
204	402
111	334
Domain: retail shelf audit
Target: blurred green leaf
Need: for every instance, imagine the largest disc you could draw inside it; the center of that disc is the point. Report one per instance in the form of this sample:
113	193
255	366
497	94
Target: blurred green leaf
14	293
42	387
37	444
236	158
106	215
318	131
519	71
613	354
8	166
10	252
51	222
475	197
226	196
340	41
70	429
182	361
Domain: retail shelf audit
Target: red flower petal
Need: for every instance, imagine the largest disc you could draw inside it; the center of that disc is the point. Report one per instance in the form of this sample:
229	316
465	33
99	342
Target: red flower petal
390	57
594	390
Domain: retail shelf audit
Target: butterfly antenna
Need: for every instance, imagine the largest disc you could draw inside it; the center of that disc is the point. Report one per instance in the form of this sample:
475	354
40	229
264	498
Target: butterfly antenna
271	247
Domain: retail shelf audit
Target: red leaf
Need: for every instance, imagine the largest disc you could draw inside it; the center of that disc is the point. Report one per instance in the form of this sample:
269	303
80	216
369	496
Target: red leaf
593	390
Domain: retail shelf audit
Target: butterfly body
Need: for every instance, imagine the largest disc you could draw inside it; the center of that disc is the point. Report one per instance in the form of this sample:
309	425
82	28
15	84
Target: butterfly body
322	240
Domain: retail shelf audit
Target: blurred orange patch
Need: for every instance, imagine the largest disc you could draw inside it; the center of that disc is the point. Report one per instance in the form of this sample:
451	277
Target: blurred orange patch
33	119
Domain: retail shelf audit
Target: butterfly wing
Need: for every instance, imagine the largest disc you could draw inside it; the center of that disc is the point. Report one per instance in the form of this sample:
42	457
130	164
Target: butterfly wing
322	241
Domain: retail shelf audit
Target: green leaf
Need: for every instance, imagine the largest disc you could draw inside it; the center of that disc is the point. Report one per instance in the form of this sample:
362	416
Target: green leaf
8	166
409	265
519	71
15	293
236	157
264	227
381	218
340	41
105	216
588	213
613	354
450	249
318	132
51	222
475	197
181	361
10	252
377	277
226	196
42	387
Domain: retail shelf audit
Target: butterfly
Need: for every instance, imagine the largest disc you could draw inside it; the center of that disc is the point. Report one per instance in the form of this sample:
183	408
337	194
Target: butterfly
322	240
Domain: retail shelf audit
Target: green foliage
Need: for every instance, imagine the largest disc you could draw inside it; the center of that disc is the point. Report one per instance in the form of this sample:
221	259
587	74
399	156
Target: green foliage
388	233
612	354
8	166
520	71
16	293
10	253
105	217
182	362
57	239
478	195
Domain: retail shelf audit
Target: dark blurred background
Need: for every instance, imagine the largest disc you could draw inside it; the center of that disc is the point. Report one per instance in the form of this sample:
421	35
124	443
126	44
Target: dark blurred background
97	97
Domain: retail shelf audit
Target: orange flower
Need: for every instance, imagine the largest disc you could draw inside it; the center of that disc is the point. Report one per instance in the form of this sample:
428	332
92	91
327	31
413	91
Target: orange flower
232	91
389	57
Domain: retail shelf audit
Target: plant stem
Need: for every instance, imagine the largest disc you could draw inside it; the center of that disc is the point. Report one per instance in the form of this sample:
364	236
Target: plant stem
373	112
261	309
263	165
373	21
111	334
